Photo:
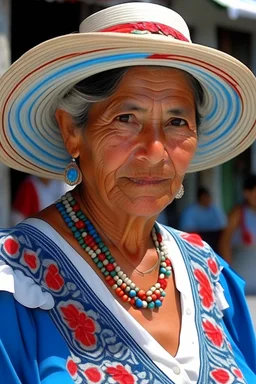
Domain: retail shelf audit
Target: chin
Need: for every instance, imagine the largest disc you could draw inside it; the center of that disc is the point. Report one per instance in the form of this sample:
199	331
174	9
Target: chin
148	207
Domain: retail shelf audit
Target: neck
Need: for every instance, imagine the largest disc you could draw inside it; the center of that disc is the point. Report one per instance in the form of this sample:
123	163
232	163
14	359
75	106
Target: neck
128	234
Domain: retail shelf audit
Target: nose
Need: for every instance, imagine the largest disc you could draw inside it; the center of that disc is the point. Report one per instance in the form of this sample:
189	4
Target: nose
151	149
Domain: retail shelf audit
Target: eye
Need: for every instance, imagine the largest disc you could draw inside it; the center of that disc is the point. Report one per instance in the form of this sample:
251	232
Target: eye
177	122
126	118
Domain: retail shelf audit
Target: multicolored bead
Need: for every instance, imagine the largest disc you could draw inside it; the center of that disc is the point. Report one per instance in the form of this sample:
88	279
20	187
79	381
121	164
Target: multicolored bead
88	238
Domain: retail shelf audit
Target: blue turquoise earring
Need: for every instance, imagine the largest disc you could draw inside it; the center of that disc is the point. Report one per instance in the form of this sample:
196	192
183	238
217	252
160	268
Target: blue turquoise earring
73	175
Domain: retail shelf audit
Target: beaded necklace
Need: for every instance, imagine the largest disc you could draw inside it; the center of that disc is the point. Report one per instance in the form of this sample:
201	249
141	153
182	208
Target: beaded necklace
88	238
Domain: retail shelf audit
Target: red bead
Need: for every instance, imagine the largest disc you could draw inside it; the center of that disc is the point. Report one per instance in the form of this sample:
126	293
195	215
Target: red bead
80	224
119	292
101	256
125	298
141	294
154	297
168	262
161	298
123	286
158	294
108	277
110	267
163	283
76	208
159	238
132	301
111	282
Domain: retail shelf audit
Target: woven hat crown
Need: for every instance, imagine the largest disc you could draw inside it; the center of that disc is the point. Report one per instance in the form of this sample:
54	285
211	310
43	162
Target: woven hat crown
124	14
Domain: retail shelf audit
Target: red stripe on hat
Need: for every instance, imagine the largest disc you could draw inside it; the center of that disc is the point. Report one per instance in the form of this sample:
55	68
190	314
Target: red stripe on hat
155	28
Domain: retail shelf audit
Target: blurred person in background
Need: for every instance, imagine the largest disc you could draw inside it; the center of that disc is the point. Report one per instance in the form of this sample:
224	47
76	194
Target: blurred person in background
204	218
33	195
238	241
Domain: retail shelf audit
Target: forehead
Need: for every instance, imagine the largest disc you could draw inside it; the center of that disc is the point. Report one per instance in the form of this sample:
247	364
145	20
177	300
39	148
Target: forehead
155	79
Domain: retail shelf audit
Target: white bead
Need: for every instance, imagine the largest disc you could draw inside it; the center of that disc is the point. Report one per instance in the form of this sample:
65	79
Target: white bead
127	289
116	278
152	289
93	255
149	298
87	249
76	219
84	234
63	197
70	198
157	285
149	293
115	264
163	264
120	273
105	262
98	251
161	290
114	286
168	268
132	285
119	282
118	269
68	194
69	210
137	289
163	258
129	282
144	304
161	276
90	252
124	276
125	280
65	202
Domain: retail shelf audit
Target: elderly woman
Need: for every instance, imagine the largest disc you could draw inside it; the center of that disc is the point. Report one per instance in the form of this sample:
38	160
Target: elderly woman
93	289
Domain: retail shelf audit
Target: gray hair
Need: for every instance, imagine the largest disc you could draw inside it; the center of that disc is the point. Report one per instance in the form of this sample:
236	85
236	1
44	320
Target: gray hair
99	87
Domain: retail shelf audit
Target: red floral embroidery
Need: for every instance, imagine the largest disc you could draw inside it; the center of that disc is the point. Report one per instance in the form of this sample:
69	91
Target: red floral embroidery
205	288
53	278
193	238
221	375
11	246
238	373
72	367
213	266
120	375
83	325
30	258
213	332
93	375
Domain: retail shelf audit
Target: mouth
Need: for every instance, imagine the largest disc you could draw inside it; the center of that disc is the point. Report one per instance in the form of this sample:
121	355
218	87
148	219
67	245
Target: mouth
147	180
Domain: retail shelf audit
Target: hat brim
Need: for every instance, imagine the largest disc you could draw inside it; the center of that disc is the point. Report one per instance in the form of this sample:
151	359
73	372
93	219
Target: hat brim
30	139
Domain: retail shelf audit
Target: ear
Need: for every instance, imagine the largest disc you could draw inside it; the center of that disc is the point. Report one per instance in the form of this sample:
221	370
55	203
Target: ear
70	134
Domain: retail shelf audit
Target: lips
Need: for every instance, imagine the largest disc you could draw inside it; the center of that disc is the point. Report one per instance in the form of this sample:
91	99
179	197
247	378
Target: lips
147	180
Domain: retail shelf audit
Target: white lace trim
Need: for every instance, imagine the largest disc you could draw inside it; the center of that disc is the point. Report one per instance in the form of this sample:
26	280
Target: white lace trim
24	289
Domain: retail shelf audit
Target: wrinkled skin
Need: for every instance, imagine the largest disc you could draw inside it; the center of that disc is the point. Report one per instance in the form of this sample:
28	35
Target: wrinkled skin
136	147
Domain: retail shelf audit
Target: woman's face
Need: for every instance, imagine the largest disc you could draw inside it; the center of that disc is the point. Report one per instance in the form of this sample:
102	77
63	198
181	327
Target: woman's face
139	142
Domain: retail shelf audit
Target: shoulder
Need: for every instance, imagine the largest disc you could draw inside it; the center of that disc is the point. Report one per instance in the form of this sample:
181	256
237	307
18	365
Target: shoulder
21	269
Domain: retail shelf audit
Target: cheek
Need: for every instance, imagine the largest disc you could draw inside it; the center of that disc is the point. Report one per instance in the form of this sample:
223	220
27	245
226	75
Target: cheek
181	153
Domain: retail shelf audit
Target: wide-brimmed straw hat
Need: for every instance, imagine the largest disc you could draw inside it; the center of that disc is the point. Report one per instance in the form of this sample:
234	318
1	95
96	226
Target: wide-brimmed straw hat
124	35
